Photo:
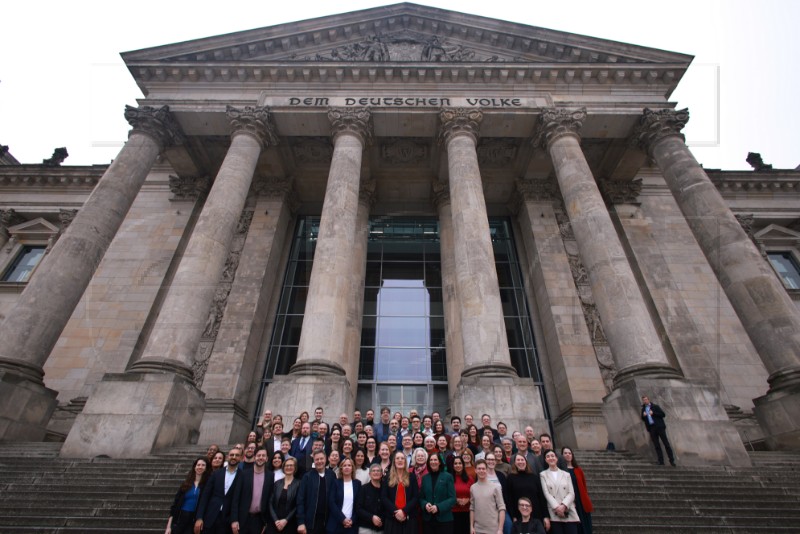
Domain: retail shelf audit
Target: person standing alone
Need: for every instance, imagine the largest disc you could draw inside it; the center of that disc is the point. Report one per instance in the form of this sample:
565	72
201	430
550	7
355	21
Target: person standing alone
653	417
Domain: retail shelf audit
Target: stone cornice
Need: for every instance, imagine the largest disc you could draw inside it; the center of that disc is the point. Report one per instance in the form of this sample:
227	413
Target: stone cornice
787	181
39	176
543	74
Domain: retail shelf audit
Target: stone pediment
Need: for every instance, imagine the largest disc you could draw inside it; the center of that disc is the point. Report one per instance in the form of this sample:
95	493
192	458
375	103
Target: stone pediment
775	233
36	228
404	34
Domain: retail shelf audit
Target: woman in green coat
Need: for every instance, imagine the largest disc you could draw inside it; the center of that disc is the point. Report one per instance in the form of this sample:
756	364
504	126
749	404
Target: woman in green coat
437	498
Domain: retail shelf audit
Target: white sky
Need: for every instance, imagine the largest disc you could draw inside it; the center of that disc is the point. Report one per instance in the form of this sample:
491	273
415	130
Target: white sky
62	82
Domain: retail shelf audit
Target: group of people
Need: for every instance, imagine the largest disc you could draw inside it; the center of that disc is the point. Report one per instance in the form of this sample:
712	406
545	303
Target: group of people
398	474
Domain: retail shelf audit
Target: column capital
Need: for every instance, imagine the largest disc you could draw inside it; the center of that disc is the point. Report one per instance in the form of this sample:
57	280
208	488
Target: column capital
189	187
460	121
366	192
537	190
356	121
621	191
157	123
255	121
441	193
655	125
558	122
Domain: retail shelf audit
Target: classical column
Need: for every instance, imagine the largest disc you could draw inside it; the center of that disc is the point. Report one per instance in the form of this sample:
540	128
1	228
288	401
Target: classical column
631	335
158	391
35	322
700	431
358	274
319	376
173	341
488	375
760	300
452	314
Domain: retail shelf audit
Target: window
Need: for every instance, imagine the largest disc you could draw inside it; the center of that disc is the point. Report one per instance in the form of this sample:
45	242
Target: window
24	264
786	266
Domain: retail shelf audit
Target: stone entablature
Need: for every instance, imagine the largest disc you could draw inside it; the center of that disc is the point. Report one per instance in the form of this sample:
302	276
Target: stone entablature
752	182
39	176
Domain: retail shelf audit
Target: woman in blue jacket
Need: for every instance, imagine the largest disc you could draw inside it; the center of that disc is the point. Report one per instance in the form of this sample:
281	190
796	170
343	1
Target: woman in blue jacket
341	501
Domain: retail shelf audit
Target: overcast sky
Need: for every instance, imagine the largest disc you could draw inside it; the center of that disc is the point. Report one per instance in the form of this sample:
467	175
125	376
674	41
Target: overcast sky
62	82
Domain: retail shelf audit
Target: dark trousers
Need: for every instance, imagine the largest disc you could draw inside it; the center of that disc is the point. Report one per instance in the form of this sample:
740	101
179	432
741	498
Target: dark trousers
222	525
435	527
655	435
560	527
253	524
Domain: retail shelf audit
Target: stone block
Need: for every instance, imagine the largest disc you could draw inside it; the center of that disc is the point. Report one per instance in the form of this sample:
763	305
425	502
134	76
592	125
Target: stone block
291	394
131	415
581	426
778	414
515	401
698	428
25	408
224	421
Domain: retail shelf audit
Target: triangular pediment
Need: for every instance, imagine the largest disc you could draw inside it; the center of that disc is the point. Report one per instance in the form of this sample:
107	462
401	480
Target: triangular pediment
403	33
774	232
34	227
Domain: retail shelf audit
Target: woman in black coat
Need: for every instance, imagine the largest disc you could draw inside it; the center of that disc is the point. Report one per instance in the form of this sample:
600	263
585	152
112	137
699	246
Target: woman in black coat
523	482
283	503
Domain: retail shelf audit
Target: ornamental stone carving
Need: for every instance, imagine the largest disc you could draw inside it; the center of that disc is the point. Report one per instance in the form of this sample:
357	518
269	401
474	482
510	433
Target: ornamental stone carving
9	218
564	226
404	47
313	151
157	123
357	121
460	121
403	151
272	186
65	218
497	152
255	121
189	187
558	122
58	157
537	190
621	191
440	190
656	125
366	192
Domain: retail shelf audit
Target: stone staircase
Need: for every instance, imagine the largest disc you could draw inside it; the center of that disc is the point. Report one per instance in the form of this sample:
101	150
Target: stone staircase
42	493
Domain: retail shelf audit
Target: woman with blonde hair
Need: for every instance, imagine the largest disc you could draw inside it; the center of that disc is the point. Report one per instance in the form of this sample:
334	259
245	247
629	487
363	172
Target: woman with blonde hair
400	497
341	501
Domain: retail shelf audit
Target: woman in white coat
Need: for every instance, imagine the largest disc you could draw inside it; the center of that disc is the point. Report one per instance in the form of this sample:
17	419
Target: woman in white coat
557	488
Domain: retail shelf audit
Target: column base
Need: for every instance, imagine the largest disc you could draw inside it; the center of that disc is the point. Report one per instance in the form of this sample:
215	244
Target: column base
582	426
25	407
291	394
224	421
131	415
778	414
697	426
513	400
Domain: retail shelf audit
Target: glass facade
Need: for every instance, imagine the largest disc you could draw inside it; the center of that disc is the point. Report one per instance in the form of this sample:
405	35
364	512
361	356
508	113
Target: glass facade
403	354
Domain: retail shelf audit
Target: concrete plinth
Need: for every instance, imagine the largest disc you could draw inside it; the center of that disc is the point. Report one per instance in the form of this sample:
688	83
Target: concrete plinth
291	394
778	413
131	415
514	401
224	421
697	426
581	426
25	407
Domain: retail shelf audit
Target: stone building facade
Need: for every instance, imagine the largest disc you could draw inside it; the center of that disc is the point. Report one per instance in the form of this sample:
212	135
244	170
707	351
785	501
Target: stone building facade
400	206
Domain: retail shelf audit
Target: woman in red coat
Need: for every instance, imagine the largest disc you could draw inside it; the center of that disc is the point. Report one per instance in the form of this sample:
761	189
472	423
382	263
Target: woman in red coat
582	501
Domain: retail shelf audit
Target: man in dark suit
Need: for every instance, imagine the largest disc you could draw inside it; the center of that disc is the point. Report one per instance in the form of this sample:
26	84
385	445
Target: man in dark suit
249	513
653	417
214	507
301	449
312	500
274	443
